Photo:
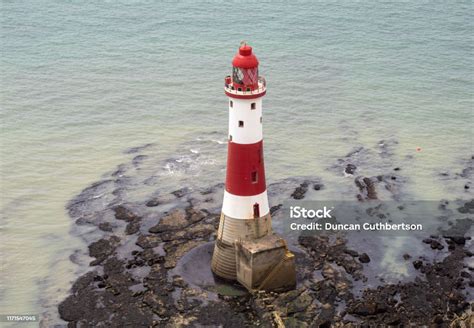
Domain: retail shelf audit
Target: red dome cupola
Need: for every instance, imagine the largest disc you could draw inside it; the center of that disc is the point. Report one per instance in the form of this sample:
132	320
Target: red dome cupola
245	82
245	58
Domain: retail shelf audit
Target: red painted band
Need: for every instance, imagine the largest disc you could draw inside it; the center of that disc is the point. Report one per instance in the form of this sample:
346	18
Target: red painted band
245	169
253	96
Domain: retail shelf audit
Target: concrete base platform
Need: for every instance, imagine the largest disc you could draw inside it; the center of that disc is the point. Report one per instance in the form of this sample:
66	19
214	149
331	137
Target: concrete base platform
231	230
265	264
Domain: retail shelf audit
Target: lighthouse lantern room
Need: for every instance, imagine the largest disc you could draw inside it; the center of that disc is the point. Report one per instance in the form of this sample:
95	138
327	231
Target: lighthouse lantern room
245	237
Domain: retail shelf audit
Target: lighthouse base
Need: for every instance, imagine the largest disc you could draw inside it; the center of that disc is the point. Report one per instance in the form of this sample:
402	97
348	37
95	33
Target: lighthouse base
232	230
265	264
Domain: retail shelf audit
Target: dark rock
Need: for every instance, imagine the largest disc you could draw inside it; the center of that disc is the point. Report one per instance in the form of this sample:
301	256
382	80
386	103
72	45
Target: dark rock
152	203
371	194
105	226
352	252
178	220
368	308
292	322
300	191
438	319
98	278
299	304
179	282
222	314
318	186
433	243
157	303
417	264
396	169
463	210
460	240
207	191
132	228
72	309
148	241
275	208
325	324
193	215
470	204
466	173
83	221
406	256
69	309
125	214
289	296
151	257
181	192
436	245
366	187
113	266
465	274
156	229
102	248
364	258
350	169
394	322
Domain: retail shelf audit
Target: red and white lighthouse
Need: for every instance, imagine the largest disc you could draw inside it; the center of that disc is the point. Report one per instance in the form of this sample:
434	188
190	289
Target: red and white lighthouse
245	211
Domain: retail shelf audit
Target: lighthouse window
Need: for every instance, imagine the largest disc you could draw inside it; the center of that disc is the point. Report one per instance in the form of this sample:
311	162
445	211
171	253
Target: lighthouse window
260	119
231	104
256	210
253	106
241	124
254	177
230	137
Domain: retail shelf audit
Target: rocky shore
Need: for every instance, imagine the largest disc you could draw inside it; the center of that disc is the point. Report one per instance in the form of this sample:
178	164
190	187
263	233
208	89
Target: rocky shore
150	252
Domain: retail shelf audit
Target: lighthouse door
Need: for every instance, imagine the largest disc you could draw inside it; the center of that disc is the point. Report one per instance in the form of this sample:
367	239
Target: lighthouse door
256	210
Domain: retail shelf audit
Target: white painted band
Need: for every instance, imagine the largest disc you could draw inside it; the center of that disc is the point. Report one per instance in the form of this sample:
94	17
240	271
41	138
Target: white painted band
241	207
245	124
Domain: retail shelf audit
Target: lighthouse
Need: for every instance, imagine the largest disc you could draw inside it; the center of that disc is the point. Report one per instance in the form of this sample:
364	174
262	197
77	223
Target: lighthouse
245	227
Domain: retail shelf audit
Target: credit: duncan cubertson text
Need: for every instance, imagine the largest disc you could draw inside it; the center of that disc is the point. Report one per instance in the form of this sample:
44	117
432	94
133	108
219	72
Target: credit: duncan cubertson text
325	213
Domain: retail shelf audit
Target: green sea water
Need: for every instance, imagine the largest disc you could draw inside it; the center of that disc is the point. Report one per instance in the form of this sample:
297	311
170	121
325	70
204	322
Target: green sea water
81	81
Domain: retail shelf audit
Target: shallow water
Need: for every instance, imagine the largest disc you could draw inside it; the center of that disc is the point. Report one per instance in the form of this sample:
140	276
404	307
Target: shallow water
82	82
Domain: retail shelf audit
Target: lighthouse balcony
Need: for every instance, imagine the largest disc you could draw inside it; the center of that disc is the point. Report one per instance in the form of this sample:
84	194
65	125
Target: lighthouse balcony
237	91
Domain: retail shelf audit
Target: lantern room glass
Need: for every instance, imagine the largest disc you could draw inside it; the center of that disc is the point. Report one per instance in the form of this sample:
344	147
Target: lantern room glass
245	76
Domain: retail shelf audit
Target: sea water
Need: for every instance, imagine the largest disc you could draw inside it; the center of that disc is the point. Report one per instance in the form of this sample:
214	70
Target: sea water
81	81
